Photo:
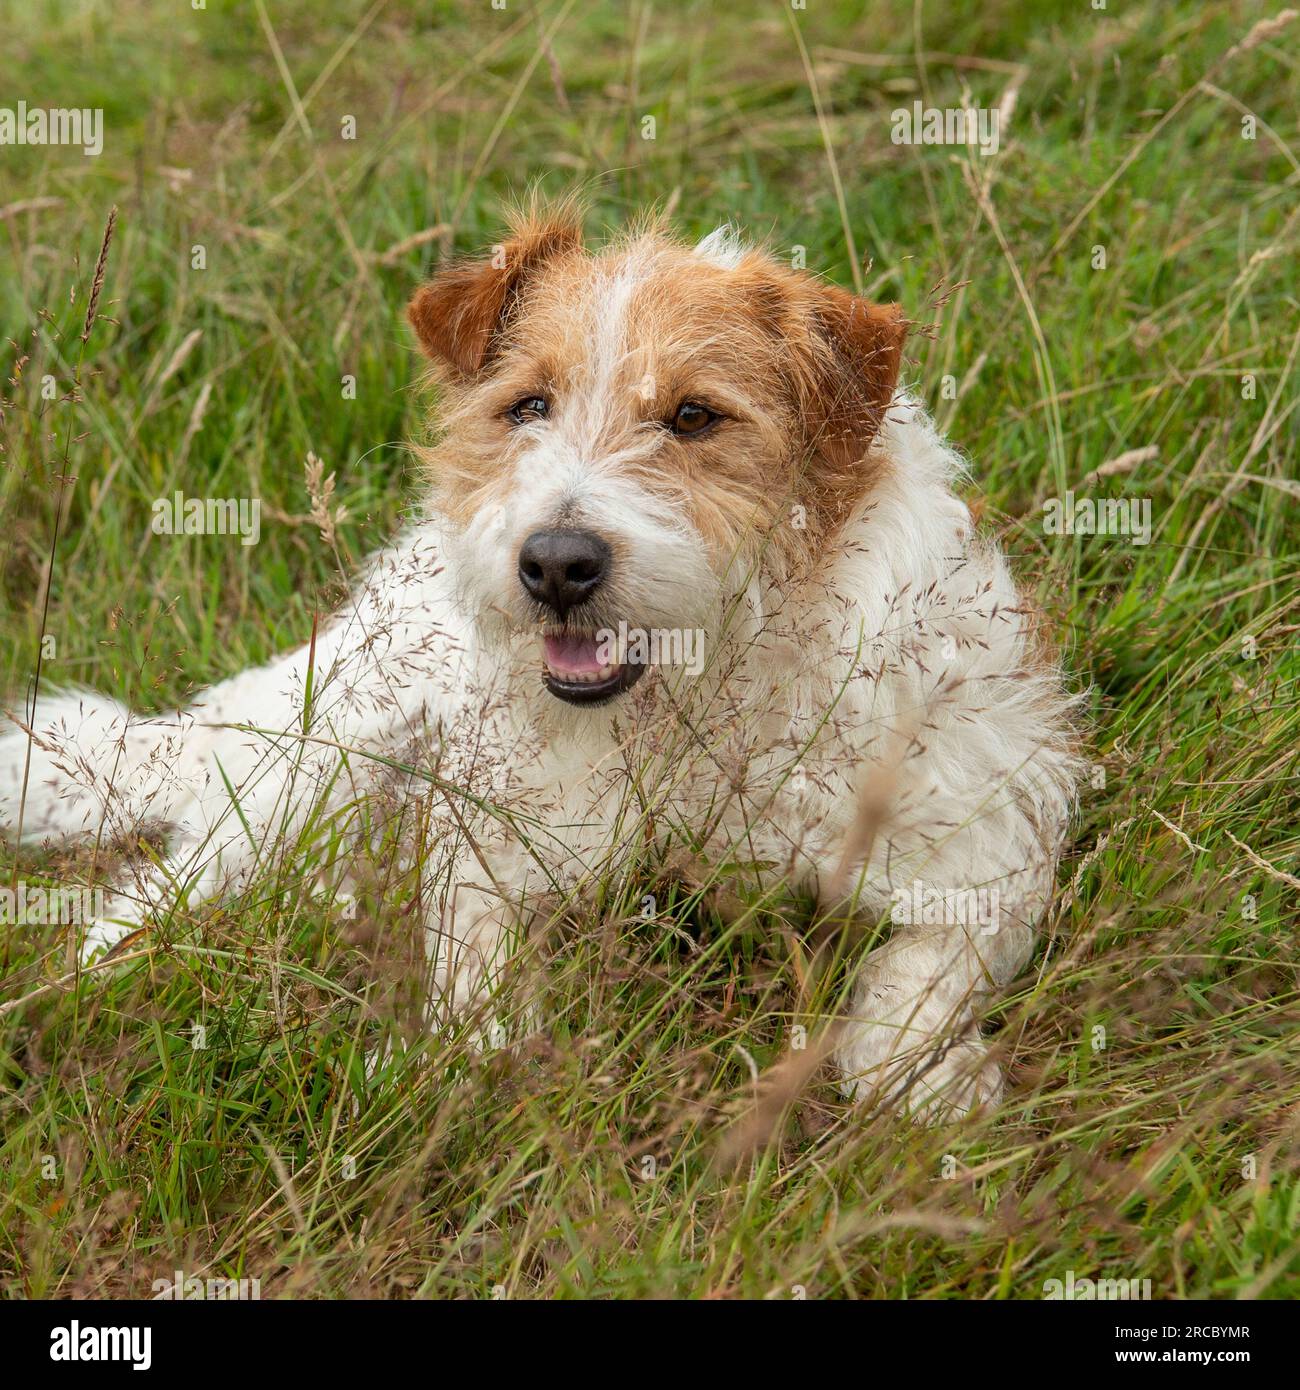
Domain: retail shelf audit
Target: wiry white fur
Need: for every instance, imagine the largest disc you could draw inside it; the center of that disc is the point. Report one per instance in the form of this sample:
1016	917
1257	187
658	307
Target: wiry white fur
911	653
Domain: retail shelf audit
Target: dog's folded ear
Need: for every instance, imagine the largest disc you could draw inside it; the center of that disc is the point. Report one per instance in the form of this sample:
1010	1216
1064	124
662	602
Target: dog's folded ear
846	390
866	342
463	311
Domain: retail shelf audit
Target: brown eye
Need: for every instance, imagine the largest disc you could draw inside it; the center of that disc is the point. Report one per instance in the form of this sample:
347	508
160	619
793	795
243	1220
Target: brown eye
528	410
692	418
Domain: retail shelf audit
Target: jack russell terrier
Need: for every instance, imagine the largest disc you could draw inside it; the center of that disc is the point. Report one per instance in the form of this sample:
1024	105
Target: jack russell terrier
689	578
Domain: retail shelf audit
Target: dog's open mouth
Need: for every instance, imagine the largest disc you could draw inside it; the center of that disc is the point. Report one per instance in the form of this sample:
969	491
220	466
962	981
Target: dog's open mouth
580	667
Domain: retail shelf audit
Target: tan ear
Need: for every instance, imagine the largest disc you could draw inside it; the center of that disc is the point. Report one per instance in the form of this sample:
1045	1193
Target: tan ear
851	385
866	342
461	312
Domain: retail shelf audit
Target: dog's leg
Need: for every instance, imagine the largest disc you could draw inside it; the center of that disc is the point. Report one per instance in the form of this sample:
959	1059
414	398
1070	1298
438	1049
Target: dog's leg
196	867
262	754
912	1041
471	932
469	944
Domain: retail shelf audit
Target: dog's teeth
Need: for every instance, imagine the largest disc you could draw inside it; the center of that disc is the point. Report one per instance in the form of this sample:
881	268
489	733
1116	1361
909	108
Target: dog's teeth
584	677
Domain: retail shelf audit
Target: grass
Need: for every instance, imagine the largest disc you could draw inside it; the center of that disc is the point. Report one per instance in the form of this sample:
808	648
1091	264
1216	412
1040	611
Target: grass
586	1164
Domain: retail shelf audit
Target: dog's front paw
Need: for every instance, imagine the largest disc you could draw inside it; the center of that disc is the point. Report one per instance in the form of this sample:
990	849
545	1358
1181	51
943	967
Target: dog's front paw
932	1079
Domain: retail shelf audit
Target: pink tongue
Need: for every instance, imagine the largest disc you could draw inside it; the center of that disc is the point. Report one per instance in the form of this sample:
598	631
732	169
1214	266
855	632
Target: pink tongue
576	655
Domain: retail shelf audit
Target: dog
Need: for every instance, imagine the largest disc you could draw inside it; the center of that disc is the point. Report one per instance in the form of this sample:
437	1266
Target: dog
689	568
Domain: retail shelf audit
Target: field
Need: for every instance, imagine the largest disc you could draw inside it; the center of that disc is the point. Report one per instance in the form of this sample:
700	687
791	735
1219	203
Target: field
1109	305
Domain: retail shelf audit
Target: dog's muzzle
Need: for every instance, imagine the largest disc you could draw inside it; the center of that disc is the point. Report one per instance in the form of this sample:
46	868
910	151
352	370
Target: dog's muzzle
561	570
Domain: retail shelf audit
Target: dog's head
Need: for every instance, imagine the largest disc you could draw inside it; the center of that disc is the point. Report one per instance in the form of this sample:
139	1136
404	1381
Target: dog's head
628	435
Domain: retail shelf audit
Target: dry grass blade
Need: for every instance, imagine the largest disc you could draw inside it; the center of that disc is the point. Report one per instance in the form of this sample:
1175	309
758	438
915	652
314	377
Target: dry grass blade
1121	463
28	205
778	1089
101	267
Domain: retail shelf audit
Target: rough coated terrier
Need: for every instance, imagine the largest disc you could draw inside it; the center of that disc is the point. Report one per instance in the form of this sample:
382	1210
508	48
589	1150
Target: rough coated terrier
690	577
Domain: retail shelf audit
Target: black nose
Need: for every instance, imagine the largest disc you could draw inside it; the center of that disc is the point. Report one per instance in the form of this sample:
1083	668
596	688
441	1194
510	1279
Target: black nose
562	568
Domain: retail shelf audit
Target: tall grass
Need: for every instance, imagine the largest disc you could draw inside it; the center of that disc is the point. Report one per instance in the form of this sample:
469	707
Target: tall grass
1148	1129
